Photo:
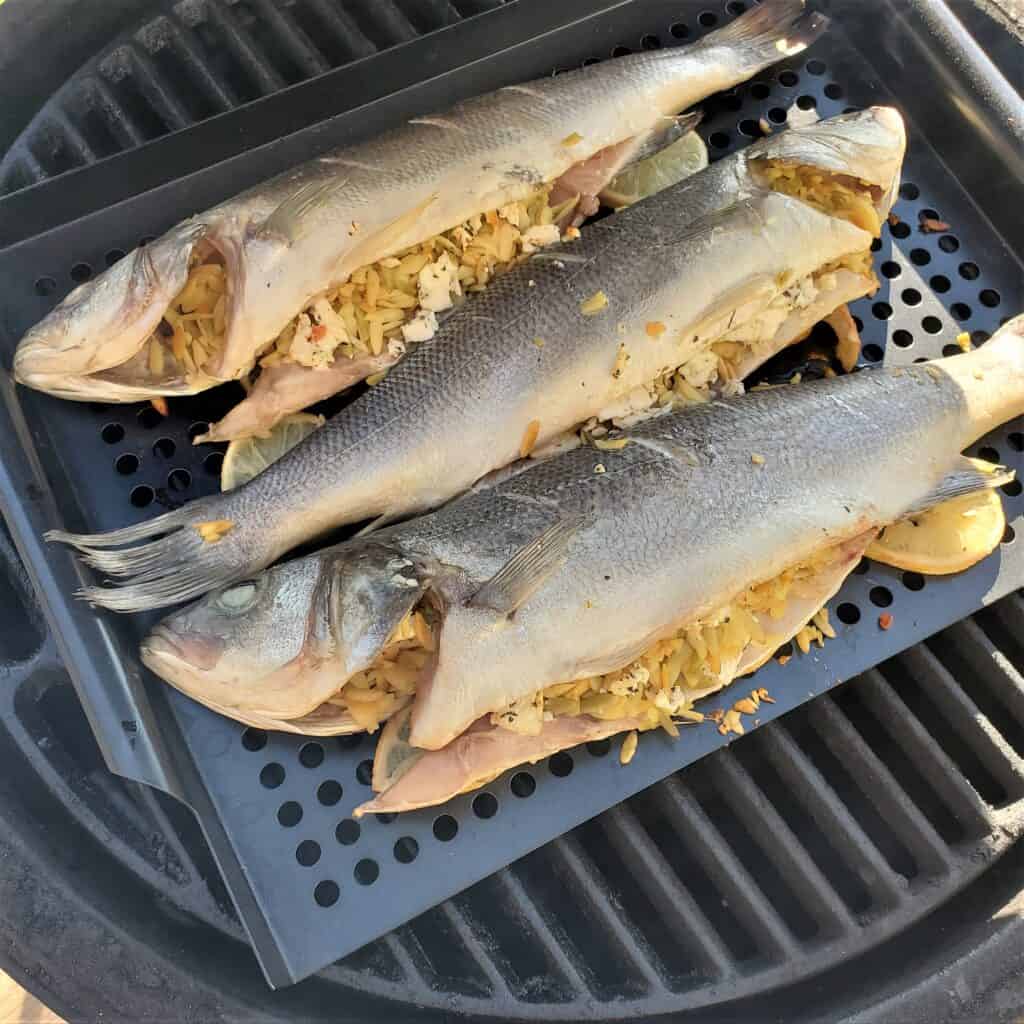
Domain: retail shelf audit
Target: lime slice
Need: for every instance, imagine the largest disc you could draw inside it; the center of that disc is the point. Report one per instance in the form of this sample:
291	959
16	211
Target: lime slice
684	157
249	456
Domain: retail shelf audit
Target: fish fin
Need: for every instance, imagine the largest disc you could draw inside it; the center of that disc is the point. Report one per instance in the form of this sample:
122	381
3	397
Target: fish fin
766	34
375	524
733	309
969	476
394	755
527	569
294	217
169	558
662	135
390	237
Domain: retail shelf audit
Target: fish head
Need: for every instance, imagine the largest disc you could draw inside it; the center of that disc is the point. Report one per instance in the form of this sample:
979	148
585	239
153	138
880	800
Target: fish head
255	644
284	641
865	145
93	345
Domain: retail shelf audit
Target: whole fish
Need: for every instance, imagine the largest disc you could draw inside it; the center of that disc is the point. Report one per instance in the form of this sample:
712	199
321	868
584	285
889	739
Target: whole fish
577	565
276	247
577	331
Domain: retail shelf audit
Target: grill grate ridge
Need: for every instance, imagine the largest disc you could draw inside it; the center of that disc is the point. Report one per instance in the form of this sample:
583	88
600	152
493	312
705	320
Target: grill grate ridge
672	899
936	776
900	814
789	856
984	757
750	901
205	57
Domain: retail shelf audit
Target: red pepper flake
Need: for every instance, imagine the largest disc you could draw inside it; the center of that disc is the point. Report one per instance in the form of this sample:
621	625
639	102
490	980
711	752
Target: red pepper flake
160	404
930	225
318	332
885	620
893	219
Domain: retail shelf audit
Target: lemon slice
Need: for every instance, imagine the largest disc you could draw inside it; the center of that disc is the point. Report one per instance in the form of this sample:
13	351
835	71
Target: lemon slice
684	157
249	456
949	538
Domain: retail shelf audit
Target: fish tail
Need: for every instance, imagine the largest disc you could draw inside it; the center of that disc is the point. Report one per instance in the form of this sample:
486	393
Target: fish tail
172	558
766	34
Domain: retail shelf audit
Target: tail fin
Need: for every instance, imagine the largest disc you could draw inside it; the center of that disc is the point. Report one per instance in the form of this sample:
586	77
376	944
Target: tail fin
770	32
172	564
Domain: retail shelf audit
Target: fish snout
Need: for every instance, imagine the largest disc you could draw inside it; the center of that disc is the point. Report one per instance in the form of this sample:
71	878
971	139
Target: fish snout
197	650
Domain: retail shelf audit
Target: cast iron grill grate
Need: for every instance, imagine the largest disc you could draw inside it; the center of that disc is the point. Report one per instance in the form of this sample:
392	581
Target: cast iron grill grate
206	57
817	836
755	889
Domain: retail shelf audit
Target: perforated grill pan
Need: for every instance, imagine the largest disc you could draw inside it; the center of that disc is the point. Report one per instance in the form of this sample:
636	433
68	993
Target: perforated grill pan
311	884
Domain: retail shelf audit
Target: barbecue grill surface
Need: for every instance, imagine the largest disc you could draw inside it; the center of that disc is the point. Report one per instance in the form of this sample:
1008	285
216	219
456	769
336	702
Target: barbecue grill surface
758	866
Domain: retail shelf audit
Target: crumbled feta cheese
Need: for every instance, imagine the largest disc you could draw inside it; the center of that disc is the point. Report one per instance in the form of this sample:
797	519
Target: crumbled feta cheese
761	329
524	716
800	294
318	332
538	236
422	327
437	283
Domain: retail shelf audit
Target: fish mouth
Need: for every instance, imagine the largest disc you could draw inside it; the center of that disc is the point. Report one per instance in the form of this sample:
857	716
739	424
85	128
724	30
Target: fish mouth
196	665
199	653
109	339
848	166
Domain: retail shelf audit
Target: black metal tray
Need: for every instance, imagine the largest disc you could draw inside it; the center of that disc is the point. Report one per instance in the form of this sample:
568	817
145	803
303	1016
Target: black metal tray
309	883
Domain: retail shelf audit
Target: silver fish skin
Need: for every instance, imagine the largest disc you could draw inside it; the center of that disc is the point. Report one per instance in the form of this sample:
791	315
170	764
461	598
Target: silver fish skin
524	351
299	234
622	547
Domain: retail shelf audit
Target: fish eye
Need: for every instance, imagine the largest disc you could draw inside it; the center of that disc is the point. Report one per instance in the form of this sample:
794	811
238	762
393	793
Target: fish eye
238	598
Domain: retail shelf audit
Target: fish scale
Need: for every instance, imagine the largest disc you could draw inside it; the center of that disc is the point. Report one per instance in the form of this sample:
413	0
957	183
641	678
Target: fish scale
694	258
679	522
290	239
573	566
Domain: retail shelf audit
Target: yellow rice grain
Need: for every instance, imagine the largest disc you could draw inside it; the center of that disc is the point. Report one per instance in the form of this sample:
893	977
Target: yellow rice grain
629	745
526	445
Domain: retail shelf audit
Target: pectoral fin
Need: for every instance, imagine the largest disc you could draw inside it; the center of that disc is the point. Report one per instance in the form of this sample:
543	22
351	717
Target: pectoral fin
294	218
969	477
527	569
